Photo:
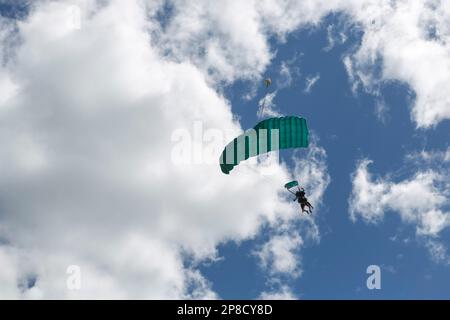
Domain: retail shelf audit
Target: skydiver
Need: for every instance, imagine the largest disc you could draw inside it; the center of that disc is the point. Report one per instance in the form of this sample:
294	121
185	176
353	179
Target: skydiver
301	198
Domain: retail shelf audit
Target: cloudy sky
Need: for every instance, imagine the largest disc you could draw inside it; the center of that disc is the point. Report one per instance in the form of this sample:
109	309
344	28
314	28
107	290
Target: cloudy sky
113	115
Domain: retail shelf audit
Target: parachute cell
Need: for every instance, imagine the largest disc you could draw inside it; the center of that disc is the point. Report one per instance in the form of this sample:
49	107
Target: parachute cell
268	135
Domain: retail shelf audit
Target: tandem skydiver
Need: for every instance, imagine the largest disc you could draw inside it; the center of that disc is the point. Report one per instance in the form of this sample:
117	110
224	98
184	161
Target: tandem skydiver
301	198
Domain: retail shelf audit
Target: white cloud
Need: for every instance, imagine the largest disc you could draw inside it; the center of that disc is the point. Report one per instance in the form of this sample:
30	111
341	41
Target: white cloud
8	274
438	251
310	82
421	200
285	75
353	78
278	255
289	71
366	199
283	293
417	200
396	34
381	111
222	38
330	38
434	157
266	106
9	89
86	175
334	36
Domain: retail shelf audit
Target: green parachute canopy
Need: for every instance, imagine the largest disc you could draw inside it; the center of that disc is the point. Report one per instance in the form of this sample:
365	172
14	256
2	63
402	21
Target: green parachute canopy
268	135
291	184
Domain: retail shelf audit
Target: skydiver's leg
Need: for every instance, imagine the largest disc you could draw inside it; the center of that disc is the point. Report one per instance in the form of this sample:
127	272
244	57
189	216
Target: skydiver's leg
303	207
309	206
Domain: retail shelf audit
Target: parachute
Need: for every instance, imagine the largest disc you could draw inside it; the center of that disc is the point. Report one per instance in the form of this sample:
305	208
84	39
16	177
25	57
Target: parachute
291	184
268	135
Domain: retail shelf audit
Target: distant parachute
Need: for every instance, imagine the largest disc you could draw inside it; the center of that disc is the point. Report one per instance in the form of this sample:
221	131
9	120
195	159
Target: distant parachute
267	82
268	135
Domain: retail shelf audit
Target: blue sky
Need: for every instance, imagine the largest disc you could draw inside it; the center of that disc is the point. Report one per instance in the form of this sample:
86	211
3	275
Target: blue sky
95	94
349	130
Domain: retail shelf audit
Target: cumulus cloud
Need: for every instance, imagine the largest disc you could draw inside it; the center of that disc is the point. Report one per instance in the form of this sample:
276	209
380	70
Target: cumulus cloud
406	41
222	38
418	200
421	200
86	167
278	254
